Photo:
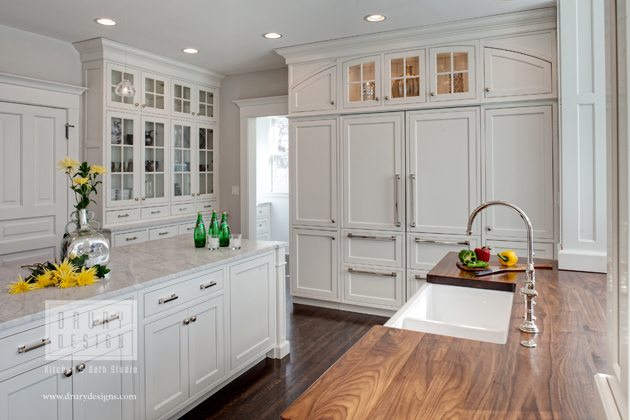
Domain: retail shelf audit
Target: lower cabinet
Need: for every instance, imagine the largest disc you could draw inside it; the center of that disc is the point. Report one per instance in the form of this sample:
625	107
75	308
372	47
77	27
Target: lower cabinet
378	287
314	264
251	291
93	384
183	356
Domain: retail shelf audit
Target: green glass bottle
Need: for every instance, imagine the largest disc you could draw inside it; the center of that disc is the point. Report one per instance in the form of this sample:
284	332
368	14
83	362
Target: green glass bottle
224	231
200	232
213	229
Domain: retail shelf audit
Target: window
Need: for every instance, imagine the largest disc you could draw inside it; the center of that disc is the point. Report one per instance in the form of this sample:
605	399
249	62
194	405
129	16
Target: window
278	146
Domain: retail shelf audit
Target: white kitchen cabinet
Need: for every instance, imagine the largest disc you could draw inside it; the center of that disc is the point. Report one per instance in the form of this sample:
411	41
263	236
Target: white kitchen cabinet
510	74
251	292
425	251
519	155
405	77
316	92
206	99
183	98
373	172
442	169
184	356
314	258
383	249
205	185
194	100
22	396
314	172
452	73
154	162
123	157
155	93
373	286
115	74
541	250
183	153
104	369
362	82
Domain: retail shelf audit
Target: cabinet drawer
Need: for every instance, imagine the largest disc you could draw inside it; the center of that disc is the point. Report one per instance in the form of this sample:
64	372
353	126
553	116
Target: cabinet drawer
206	207
155	212
541	250
127	238
168	297
373	248
24	346
186	228
262	211
262	226
425	252
263	236
120	216
415	280
162	232
378	287
182	209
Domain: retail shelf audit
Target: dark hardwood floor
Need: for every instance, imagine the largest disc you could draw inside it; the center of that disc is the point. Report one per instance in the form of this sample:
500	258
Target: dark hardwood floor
318	338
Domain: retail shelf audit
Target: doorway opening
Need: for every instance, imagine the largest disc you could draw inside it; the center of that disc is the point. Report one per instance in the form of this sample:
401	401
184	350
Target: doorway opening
272	179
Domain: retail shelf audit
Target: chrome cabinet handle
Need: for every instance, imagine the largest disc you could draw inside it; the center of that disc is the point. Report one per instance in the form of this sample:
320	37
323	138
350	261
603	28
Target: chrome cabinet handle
156	212
28	347
376	238
374	273
183	209
167	299
120	216
209	206
187	321
207	285
133	238
80	367
162	233
397	198
420	277
412	190
67	373
437	242
193	318
98	322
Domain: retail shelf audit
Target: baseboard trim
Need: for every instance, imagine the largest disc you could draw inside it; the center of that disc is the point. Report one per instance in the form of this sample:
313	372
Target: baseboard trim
577	260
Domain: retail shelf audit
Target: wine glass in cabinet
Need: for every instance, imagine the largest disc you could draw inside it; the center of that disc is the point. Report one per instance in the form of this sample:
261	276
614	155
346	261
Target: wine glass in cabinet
405	77
452	73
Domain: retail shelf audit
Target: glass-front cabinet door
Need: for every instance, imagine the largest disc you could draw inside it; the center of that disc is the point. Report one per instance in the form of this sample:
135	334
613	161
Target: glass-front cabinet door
182	160
452	72
122	157
206	152
115	75
405	77
155	97
361	81
154	160
206	100
183	102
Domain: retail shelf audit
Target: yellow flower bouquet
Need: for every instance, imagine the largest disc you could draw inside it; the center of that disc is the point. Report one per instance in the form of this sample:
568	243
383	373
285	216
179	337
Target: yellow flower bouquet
71	272
83	179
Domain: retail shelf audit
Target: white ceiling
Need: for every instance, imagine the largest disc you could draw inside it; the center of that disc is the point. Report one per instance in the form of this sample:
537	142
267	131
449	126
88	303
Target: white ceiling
228	32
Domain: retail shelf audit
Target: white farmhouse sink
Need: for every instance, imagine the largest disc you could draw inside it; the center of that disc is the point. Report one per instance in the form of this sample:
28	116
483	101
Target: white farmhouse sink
463	312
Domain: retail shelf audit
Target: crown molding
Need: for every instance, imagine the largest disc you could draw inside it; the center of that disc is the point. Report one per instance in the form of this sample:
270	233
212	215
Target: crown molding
464	30
270	100
97	49
22	81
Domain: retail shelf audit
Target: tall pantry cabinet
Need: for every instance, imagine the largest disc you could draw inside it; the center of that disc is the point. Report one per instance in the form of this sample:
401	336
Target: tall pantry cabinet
384	178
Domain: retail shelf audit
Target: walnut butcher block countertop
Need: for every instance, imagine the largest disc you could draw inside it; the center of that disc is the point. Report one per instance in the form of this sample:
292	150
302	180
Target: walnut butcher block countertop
398	374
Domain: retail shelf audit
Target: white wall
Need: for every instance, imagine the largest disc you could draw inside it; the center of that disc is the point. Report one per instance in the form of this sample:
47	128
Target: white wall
241	86
31	55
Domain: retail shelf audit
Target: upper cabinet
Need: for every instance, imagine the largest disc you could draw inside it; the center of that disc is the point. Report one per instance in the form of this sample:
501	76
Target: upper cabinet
116	74
155	93
317	92
508	73
452	73
194	100
362	82
405	77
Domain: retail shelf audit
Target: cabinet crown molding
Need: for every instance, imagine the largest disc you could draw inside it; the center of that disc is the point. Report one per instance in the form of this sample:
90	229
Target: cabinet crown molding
96	49
16	80
451	32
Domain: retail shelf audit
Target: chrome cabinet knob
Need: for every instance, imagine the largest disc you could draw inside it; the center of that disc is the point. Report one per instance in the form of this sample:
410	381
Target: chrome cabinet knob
136	199
80	367
67	373
489	229
333	220
488	89
376	98
187	321
432	93
194	113
387	98
193	318
332	102
136	104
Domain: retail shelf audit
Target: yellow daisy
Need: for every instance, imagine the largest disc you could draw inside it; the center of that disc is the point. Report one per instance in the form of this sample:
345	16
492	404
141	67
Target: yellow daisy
80	180
69	281
64	272
86	277
67	164
97	169
19	286
47	278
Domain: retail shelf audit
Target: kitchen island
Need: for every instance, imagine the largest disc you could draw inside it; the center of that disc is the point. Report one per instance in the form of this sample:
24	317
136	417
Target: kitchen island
200	319
399	374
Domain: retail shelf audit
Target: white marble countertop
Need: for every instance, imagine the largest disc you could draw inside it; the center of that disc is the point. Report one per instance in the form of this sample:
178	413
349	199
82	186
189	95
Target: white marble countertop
133	267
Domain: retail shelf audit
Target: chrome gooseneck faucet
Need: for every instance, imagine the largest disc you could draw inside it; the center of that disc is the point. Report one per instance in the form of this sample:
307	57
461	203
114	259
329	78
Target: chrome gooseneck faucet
529	290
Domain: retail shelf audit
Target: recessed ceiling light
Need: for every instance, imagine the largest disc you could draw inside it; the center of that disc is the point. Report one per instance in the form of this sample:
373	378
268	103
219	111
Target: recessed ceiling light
375	18
190	50
106	21
272	35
